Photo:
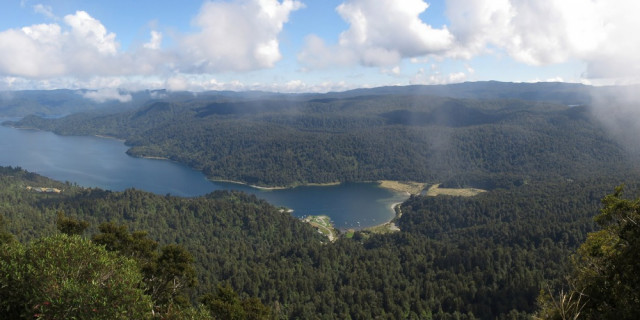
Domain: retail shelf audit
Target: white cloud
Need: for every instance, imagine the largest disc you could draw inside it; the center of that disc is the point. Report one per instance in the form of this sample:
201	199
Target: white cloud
155	42
316	54
46	11
236	36
46	50
391	71
88	31
391	26
423	76
106	94
177	83
598	32
157	95
381	33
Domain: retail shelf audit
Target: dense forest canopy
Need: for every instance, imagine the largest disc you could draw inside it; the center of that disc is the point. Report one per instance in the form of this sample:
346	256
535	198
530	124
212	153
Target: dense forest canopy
545	159
477	134
484	257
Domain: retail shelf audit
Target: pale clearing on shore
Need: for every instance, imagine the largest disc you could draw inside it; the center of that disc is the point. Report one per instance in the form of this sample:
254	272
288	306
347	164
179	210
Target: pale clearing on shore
324	226
410	187
435	190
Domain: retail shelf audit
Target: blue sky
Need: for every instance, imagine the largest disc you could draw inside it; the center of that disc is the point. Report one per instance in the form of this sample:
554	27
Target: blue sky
313	45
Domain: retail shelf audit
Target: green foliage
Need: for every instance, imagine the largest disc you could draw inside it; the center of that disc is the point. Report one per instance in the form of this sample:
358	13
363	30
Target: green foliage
227	304
171	274
563	306
607	269
5	237
483	257
605	283
70	226
68	277
455	258
276	141
166	274
136	245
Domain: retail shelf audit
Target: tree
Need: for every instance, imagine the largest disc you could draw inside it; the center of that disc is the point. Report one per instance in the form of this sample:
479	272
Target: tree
136	245
166	275
69	225
172	273
606	279
227	304
5	237
68	277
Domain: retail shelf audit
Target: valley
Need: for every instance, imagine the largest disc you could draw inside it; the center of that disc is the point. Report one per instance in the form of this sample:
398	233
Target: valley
459	206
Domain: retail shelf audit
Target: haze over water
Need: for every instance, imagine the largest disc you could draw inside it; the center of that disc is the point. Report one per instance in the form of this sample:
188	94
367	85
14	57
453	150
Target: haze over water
103	163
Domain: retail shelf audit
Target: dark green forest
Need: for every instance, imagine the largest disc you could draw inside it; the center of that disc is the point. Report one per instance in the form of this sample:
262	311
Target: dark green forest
483	257
287	140
529	246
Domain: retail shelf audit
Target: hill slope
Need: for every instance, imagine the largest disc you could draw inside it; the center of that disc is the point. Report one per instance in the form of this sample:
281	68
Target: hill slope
280	140
484	257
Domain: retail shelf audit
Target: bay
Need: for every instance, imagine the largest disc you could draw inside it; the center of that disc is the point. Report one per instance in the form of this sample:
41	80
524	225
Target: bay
103	163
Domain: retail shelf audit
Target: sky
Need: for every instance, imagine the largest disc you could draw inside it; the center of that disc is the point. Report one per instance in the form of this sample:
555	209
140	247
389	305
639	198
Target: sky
312	45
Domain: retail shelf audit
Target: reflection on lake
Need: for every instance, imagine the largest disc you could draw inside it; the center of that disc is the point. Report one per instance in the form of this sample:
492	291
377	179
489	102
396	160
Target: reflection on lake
103	163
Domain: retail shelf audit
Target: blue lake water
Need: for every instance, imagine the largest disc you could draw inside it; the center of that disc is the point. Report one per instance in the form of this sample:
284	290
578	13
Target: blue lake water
103	163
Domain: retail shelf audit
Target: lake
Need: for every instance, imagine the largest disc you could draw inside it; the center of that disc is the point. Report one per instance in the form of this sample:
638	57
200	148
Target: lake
103	163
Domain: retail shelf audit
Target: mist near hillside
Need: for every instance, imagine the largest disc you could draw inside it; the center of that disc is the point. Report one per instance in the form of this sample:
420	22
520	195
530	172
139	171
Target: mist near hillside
618	110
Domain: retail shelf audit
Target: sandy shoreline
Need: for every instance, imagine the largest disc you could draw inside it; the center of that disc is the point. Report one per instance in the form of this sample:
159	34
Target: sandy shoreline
155	158
409	187
277	187
435	190
109	137
389	226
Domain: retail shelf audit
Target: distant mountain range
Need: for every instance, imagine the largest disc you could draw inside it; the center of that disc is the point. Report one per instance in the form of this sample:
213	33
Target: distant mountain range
64	101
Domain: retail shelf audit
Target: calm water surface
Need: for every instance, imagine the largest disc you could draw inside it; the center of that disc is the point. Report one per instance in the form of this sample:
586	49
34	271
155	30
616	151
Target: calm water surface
103	163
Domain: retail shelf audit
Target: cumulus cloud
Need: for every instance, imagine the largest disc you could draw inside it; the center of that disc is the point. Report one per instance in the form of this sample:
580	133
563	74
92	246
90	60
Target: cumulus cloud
88	33
46	50
532	32
236	36
155	42
107	94
381	33
548	32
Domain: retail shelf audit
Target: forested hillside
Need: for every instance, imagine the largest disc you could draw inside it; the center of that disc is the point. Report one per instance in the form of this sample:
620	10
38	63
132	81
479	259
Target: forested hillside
406	133
538	150
483	257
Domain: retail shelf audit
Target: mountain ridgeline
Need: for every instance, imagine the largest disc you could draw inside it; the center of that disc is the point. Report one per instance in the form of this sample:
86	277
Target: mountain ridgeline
511	134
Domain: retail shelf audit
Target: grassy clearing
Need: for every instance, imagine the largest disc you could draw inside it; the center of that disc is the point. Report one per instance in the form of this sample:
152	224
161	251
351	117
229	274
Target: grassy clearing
386	228
323	225
435	190
410	187
349	233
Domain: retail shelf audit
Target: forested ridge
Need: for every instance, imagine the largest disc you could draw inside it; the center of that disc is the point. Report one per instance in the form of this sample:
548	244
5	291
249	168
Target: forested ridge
483	257
406	134
546	166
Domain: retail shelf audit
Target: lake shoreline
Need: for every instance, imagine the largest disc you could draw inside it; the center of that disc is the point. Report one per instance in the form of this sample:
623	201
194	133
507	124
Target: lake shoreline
71	158
389	226
328	184
109	137
408	187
